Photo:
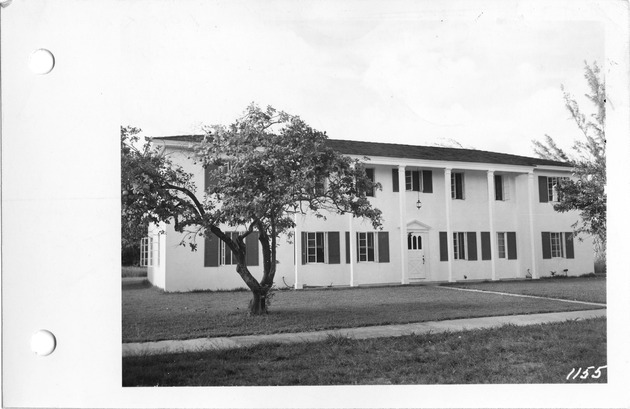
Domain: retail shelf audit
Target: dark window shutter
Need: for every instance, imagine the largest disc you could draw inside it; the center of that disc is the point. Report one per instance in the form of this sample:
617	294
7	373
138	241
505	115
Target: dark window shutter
347	247
211	250
511	245
459	188
357	241
383	247
486	248
427	181
546	244
472	245
498	187
304	244
415	180
370	174
543	193
395	179
334	255
209	179
443	246
568	241
251	249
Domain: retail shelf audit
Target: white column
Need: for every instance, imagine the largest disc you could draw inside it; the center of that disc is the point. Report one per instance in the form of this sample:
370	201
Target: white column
449	229
530	207
402	210
353	250
297	239
493	245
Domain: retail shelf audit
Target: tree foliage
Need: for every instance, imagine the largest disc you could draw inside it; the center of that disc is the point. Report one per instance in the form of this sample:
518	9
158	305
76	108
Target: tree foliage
266	167
586	193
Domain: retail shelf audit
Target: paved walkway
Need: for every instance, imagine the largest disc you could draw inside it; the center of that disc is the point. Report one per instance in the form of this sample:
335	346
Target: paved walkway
222	343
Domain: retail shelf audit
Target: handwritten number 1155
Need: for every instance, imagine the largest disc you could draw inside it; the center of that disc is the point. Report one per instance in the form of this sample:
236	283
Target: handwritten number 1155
585	373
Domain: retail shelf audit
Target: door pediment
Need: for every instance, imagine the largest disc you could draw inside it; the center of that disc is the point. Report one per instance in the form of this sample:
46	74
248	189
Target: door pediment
417	225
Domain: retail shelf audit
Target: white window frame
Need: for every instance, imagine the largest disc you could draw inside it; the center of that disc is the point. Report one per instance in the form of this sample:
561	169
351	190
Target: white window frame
552	191
150	251
409	180
460	242
454	186
505	185
556	244
311	250
363	247
502	244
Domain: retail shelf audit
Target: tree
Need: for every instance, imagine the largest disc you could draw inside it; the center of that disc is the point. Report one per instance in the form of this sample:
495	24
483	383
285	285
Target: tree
265	167
587	192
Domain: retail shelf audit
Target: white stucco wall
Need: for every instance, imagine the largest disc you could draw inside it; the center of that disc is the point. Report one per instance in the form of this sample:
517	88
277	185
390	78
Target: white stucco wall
185	271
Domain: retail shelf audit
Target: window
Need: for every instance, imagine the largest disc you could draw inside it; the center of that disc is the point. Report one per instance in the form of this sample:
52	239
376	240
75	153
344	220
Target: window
414	242
457	185
415	180
150	251
370	174
500	187
548	188
501	244
373	246
319	188
506	245
315	247
464	246
320	247
366	246
217	253
557	245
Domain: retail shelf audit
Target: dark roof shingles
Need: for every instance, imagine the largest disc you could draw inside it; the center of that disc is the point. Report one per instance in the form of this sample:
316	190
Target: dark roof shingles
436	153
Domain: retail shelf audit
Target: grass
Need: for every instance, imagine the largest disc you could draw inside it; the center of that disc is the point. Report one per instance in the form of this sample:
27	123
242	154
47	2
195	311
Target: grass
133	271
510	354
582	289
149	314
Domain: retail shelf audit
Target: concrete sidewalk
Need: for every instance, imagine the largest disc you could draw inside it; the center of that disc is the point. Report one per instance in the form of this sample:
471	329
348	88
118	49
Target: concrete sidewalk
396	330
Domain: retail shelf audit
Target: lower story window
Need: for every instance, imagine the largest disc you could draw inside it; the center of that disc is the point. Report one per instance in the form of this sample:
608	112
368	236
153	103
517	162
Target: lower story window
459	246
557	245
315	247
366	246
557	250
150	251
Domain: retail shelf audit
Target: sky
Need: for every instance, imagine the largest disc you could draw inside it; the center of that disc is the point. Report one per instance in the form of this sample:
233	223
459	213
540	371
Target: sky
485	74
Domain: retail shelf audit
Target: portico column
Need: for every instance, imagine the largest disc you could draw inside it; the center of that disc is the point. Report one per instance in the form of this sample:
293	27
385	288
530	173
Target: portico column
297	239
493	246
449	229
353	250
530	208
402	206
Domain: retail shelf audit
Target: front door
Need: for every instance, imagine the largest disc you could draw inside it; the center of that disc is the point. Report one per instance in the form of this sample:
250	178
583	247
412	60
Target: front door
416	243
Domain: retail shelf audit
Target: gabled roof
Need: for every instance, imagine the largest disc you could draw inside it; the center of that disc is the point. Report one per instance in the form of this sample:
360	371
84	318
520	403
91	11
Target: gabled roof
394	150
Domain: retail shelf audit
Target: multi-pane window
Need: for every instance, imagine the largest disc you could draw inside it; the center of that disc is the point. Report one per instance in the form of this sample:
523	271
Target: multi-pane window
459	246
557	249
150	251
548	188
366	246
457	185
370	174
315	247
415	180
226	257
500	187
501	245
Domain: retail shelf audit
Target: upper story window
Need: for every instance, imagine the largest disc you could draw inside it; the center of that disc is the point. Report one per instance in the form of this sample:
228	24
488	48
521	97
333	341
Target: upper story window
415	180
548	188
500	187
457	185
370	174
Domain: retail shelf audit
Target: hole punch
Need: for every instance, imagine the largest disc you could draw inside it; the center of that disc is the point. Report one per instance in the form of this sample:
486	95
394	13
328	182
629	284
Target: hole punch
41	61
43	342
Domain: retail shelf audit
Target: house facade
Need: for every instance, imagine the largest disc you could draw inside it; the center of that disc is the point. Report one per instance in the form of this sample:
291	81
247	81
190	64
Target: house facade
448	215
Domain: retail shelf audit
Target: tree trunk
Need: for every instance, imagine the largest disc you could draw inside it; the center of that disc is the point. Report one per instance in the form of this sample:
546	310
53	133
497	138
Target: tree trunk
258	304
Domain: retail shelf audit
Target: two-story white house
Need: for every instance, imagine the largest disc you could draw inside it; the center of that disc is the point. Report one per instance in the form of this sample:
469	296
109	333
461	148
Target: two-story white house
448	215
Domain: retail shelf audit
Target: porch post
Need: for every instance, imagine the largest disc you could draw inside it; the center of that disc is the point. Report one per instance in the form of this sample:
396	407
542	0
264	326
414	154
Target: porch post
297	239
493	246
449	229
402	206
353	250
530	207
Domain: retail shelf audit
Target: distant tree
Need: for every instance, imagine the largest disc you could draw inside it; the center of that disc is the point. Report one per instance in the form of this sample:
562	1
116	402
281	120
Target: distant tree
587	192
265	168
451	143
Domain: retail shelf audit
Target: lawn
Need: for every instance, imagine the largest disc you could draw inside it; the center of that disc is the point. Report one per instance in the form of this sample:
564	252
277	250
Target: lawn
150	314
133	271
510	354
582	289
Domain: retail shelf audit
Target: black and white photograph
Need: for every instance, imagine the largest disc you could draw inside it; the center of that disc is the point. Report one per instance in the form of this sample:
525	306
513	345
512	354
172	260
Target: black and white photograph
314	203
